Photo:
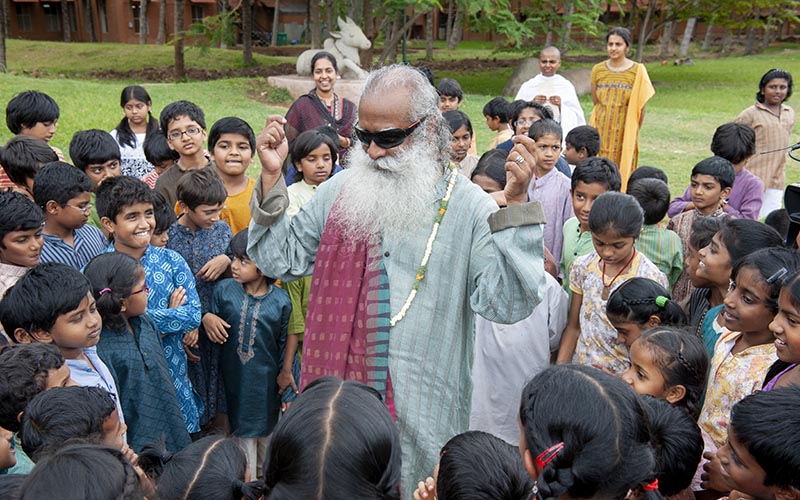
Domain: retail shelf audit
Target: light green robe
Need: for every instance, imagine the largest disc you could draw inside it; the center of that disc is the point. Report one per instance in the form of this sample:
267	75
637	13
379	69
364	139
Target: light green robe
496	273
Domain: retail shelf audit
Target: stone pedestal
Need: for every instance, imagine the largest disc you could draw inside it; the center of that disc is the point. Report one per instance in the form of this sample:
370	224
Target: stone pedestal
299	85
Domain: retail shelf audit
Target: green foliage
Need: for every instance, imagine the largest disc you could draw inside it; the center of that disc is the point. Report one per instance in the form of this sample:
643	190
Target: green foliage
213	31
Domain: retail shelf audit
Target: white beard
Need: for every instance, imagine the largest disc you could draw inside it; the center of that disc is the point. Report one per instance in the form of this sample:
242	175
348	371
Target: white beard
391	195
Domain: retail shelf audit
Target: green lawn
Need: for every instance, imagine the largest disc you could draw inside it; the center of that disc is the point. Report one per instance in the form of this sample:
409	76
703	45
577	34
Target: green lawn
690	101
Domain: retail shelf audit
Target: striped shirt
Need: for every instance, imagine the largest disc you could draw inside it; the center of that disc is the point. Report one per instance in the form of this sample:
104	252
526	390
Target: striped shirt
88	242
773	132
663	248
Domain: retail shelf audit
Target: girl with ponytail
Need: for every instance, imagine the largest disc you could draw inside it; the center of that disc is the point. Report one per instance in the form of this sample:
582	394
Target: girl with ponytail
638	305
131	347
137	124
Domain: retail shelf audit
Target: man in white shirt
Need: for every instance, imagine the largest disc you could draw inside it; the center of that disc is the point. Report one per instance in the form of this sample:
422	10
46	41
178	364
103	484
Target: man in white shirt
554	91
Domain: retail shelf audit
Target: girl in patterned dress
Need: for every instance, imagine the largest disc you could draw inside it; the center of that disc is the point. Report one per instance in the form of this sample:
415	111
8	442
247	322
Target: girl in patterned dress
133	129
615	222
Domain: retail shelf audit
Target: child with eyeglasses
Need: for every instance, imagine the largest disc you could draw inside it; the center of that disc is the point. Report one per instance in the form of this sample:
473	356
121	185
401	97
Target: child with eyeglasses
64	194
184	124
130	345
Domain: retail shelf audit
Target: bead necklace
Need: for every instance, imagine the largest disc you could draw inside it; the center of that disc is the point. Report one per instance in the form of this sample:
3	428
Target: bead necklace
606	288
451	182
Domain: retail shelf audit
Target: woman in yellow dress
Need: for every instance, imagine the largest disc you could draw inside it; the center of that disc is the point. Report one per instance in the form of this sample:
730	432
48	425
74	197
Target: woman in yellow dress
620	91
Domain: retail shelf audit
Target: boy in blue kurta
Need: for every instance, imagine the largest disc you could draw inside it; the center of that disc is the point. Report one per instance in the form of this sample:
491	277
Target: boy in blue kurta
250	317
126	210
202	239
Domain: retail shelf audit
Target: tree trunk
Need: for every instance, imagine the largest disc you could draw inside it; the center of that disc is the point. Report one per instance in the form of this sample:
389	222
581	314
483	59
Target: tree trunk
162	22
448	27
369	32
750	41
313	24
275	17
726	39
3	35
688	33
429	36
89	13
180	65
329	8
143	28
666	40
247	31
65	34
548	37
709	35
769	30
643	31
224	8
566	27
389	54
458	30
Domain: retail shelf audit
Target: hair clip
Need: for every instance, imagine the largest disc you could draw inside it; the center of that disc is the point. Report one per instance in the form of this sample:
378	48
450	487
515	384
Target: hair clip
549	454
661	301
651	486
780	273
104	290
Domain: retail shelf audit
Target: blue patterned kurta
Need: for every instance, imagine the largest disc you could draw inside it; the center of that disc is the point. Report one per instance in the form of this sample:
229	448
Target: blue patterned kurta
198	248
164	272
498	275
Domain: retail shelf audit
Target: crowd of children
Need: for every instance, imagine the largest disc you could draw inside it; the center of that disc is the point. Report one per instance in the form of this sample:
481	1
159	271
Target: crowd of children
135	331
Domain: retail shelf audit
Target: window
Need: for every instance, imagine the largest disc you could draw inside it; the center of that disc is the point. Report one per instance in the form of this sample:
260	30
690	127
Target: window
24	14
198	13
135	7
101	8
52	17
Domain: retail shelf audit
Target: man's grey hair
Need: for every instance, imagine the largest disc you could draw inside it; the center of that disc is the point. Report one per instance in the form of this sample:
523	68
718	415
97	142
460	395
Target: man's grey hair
423	103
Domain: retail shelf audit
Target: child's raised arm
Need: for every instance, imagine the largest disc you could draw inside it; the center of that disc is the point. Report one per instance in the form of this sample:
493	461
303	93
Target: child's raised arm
571	333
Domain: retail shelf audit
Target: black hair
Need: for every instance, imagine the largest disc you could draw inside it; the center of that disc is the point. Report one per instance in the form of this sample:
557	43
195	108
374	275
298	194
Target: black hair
361	462
44	293
621	32
116	193
677	441
545	127
55	417
177	109
637	299
125	135
307	142
735	142
59	182
92	147
653	196
497	107
601	424
427	73
597	169
682	359
18	213
492	164
779	221
517	107
116	274
717	167
791	283
163	213
24	373
617	212
231	125
10	484
83	471
703	229
768	76
23	156
742	237
238	244
584	137
475	465
211	468
773	264
457	119
324	55
766	424
201	187
646	172
29	108
450	88
157	150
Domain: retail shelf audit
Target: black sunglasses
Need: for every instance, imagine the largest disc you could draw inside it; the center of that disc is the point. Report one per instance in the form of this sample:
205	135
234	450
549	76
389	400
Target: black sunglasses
388	138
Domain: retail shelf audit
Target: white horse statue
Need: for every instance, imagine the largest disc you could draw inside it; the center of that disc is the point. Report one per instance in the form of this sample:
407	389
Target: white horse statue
344	45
